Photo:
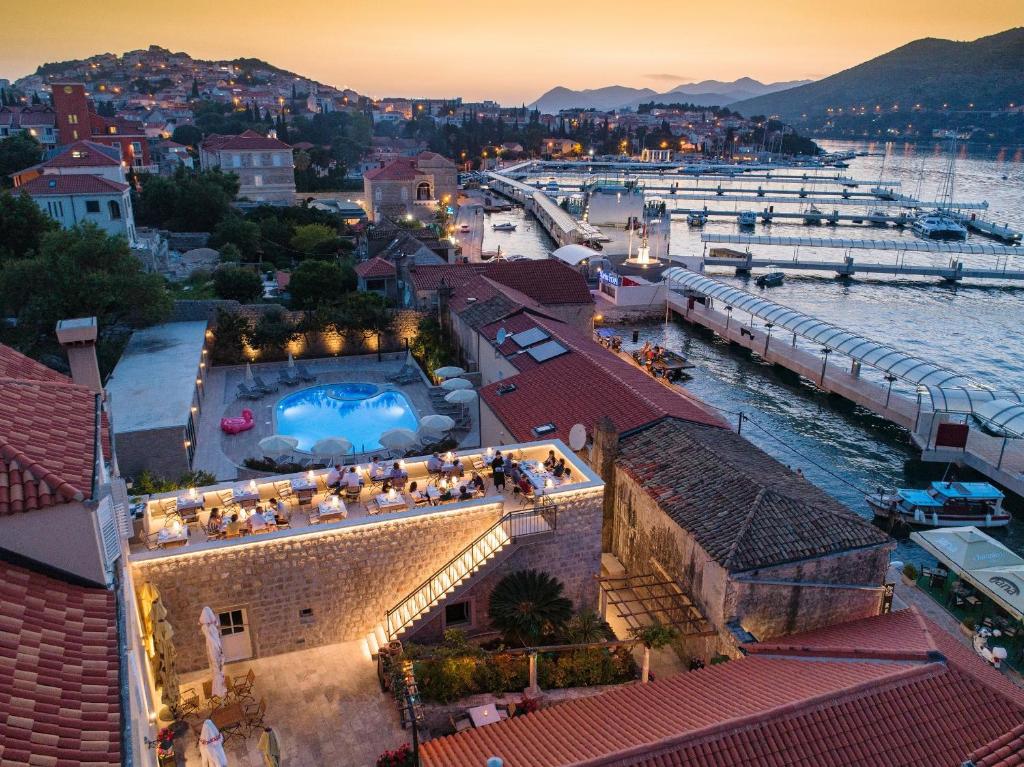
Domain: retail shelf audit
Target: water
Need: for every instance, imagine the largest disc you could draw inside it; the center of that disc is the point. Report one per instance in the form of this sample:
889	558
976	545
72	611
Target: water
969	328
346	411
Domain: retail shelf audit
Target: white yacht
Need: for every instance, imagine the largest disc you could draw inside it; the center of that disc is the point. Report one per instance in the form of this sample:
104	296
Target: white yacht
939	226
696	218
813	216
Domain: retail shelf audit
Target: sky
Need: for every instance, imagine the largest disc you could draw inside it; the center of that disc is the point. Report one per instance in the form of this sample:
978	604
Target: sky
511	52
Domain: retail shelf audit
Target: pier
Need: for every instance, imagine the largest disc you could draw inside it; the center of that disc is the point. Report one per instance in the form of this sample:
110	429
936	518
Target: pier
561	225
908	391
766	215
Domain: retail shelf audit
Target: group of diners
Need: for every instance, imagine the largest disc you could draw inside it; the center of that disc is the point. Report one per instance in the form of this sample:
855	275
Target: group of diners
525	476
447	481
263	518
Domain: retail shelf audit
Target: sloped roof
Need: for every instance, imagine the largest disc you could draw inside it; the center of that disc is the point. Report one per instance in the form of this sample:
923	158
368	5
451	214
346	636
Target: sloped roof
84	154
429	277
78	183
14	364
249	140
1005	751
399	169
744	508
375	267
546	281
59	672
771	710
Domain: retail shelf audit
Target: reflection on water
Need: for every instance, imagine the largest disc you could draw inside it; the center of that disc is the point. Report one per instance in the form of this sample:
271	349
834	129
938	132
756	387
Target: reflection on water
313	414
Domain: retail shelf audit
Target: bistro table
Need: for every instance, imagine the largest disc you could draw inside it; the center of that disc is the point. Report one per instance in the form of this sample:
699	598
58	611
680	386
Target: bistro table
168	537
329	512
304	488
229	717
246	496
482	715
188	508
537	475
387	503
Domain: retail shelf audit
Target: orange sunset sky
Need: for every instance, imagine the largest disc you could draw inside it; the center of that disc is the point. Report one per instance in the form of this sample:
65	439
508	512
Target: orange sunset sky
511	51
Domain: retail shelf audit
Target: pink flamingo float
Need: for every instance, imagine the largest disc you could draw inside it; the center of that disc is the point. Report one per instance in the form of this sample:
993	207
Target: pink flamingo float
239	424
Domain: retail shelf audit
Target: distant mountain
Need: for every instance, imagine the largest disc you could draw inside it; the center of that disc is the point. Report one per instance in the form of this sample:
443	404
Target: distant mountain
986	72
704	93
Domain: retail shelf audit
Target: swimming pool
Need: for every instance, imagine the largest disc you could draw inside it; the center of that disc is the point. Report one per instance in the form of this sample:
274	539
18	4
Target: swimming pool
359	412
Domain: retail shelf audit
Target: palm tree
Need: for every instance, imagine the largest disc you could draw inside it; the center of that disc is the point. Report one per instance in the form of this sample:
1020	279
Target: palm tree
587	627
527	604
652	637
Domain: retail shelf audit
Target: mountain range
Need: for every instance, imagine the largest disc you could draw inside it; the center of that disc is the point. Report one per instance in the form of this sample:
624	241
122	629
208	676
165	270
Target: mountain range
986	73
704	93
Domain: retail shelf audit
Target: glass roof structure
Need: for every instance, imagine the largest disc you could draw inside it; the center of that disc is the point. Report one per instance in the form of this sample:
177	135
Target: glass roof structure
949	390
924	246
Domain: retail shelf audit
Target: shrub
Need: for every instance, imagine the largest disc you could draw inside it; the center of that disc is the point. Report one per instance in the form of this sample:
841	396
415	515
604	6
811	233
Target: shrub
147	483
237	283
910	571
528	605
399	757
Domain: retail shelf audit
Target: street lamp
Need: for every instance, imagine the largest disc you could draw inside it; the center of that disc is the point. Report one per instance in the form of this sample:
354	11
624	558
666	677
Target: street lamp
728	316
826	351
890	379
768	338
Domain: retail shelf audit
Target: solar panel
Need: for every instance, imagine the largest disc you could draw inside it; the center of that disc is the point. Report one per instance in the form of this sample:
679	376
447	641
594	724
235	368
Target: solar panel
531	336
546	351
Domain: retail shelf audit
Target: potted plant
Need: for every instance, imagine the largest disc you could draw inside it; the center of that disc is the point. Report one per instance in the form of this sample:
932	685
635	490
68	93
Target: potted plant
399	757
165	746
909	574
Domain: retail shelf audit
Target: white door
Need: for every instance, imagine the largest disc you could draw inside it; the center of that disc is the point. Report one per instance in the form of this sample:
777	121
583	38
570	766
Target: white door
234	635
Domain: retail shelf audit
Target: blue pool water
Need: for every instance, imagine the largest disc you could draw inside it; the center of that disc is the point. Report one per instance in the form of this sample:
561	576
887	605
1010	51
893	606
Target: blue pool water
359	412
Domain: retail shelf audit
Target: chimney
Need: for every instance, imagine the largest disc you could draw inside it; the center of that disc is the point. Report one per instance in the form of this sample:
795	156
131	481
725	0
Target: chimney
78	339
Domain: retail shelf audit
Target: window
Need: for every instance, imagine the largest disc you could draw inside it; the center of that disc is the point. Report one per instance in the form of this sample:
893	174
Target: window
115	210
231	622
377	285
92	206
112	129
405	194
137	147
257	180
377	195
278	160
423	191
236	160
457	614
74	135
72	119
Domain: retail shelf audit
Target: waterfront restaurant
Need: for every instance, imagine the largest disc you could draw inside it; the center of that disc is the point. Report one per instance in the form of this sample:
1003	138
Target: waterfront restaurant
303	566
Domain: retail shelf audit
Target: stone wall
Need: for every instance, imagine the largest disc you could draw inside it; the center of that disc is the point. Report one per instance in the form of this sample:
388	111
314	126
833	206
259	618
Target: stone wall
161	451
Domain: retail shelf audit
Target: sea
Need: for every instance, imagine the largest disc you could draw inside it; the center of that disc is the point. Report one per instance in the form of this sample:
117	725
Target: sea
970	328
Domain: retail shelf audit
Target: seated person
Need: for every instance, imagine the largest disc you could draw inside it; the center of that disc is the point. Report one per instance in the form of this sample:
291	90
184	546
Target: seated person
457	468
214	524
550	462
434	463
515	473
464	494
396	477
478	483
376	468
269	515
524	485
334	476
281	511
432	493
233	527
446	494
256	522
414	487
352	478
559	468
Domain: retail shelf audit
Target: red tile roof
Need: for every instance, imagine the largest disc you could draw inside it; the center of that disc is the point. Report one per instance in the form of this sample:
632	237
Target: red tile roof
375	267
83	154
428	278
14	364
400	169
770	711
248	141
78	183
59	678
546	281
47	443
1005	751
582	386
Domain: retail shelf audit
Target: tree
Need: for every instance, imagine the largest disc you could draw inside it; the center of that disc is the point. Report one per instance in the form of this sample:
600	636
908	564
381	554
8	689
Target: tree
314	239
186	202
528	605
230	333
587	627
80	272
189	135
18	152
243	234
316	283
238	284
195	89
22	225
273	332
653	637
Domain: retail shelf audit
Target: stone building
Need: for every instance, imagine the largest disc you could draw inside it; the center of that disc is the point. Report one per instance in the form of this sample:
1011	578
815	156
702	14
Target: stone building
263	164
759	550
411	186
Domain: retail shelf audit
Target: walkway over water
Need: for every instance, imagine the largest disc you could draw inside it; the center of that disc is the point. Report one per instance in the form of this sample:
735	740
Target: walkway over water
921	246
937	393
562	226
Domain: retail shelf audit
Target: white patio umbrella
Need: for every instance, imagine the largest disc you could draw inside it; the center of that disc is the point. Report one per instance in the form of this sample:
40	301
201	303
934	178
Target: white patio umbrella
449	371
248	373
399	439
210	627
435	424
460	396
331	446
276	444
454	384
211	746
291	361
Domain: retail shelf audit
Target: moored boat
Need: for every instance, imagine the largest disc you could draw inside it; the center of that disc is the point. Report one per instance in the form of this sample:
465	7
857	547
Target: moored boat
747	219
939	226
943	504
770	280
504	227
696	218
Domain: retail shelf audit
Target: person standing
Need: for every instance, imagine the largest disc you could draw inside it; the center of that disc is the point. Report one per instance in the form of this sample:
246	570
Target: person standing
498	471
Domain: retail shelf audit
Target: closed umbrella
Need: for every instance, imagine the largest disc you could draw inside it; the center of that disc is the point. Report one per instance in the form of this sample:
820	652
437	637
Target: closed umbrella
269	748
436	424
211	746
291	361
399	439
248	373
210	627
453	384
449	371
276	444
461	396
331	446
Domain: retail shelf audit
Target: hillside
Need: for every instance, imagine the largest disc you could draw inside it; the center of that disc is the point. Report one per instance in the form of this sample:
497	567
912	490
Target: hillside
704	93
986	72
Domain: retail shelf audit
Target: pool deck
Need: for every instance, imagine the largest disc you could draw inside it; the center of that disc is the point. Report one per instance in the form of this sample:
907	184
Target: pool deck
222	454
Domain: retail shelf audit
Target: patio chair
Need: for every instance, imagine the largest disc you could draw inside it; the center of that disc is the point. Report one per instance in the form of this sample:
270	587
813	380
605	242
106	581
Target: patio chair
303	373
213	701
352	494
244	392
188	704
262	385
285	376
461	724
241	687
283	489
254	716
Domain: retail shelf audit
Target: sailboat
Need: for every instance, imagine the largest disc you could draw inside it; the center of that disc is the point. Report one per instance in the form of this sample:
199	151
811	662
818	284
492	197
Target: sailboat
940	224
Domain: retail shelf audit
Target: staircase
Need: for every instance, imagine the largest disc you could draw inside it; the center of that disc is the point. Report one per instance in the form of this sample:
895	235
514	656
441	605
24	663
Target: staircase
494	544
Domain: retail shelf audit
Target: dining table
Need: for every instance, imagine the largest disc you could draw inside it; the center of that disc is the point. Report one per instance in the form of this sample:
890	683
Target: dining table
329	511
482	716
168	537
385	502
246	496
228	717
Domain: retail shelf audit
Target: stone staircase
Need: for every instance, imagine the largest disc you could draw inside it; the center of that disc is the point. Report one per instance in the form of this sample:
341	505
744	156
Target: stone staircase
494	545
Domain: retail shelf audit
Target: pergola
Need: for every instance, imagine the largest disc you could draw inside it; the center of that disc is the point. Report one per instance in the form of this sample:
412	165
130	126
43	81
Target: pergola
650	599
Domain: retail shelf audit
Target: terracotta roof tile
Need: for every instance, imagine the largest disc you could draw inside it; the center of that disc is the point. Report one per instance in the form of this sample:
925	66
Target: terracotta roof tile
14	364
769	711
375	267
428	278
546	281
1005	751
399	169
745	509
59	672
85	154
78	183
249	140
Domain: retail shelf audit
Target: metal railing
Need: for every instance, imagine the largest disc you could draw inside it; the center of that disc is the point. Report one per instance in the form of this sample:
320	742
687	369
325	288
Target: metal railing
511	528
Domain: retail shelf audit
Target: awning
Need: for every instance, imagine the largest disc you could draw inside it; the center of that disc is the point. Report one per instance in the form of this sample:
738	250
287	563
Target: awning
1004	417
966	549
1004	585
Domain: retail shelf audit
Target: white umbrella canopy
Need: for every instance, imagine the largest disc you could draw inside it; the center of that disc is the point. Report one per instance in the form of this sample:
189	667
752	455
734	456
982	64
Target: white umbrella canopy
291	361
399	439
278	443
436	424
211	746
965	548
248	373
331	446
461	396
449	371
454	384
210	627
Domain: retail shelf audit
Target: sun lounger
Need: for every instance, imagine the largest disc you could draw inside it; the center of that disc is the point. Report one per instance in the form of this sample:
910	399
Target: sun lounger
304	374
263	387
244	392
286	377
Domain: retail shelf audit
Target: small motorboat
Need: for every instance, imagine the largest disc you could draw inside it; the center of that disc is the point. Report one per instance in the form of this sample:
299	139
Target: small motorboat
877	217
813	216
943	504
747	219
939	226
770	280
505	227
696	218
